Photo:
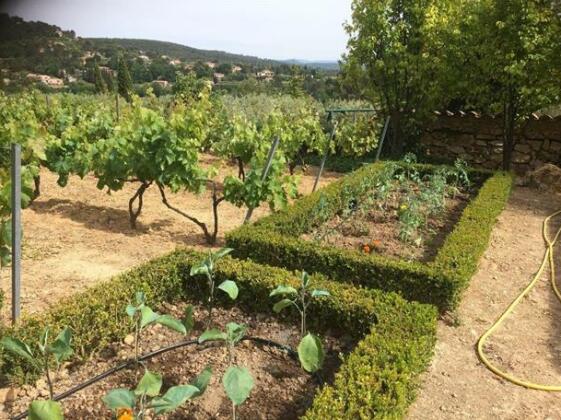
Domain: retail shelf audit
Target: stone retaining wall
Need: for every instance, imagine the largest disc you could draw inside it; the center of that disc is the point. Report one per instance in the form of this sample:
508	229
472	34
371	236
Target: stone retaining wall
478	140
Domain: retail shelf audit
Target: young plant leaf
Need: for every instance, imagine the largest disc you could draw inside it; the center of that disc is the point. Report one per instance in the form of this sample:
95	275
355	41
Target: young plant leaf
279	306
188	320
305	279
230	287
131	311
43	340
140	298
319	293
235	332
149	385
238	384
310	353
173	398
202	380
148	316
45	410
283	291
60	348
172	323
18	347
199	269
212	335
221	253
119	398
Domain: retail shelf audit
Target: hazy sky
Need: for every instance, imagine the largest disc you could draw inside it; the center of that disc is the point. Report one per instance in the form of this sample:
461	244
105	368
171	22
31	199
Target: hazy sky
279	29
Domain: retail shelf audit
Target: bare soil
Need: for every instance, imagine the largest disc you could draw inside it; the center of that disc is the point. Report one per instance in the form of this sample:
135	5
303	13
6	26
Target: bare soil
282	390
376	231
78	235
528	345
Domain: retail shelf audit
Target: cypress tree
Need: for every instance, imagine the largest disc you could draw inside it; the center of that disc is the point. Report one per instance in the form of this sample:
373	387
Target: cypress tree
124	79
100	85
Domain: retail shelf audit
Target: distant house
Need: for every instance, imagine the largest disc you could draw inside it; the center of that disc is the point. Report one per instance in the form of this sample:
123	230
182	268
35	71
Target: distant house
175	62
162	83
236	69
211	64
45	79
144	58
6	81
218	77
266	75
189	66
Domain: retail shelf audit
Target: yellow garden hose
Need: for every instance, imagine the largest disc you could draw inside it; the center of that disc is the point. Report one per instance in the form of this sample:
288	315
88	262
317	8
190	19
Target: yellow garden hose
547	259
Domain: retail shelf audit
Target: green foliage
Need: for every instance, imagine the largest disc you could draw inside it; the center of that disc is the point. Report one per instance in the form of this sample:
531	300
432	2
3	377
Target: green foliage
310	353
238	384
511	48
310	350
124	81
146	395
58	350
275	240
389	327
100	84
206	267
45	410
387	40
142	316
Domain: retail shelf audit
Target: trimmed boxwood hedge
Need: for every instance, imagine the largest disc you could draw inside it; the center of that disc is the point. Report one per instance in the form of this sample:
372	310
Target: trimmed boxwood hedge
276	240
377	380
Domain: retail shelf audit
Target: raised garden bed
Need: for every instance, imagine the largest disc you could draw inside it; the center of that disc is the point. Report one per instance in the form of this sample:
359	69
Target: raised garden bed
376	379
405	215
278	239
282	388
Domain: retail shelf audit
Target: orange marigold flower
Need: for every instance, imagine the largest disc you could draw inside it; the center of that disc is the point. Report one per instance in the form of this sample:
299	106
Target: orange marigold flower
377	243
124	414
366	249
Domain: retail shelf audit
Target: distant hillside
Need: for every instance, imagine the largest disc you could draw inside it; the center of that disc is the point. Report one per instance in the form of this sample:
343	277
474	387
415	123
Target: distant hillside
182	52
330	65
46	56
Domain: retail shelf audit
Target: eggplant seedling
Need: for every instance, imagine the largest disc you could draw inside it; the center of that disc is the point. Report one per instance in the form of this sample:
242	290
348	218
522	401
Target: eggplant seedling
142	316
127	403
59	350
310	350
237	380
206	267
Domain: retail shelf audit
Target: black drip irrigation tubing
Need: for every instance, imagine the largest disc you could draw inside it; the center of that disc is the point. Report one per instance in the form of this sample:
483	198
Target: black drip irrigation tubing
128	363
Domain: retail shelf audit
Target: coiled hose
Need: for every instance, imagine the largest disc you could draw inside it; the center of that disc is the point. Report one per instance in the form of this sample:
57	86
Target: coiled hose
548	259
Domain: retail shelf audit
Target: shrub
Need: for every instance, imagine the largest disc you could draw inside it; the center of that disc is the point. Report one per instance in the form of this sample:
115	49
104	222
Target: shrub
377	379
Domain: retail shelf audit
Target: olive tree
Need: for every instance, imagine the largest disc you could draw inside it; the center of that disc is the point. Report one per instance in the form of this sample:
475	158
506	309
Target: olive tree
391	58
507	60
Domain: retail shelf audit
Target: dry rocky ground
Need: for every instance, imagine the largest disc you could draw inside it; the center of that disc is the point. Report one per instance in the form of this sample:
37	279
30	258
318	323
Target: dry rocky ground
457	385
